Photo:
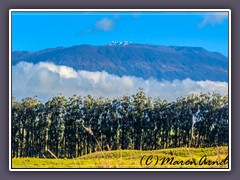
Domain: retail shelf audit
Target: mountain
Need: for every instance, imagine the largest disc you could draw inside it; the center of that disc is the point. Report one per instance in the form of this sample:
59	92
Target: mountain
140	60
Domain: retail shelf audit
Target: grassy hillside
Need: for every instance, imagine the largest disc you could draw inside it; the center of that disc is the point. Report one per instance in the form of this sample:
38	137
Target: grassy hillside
135	159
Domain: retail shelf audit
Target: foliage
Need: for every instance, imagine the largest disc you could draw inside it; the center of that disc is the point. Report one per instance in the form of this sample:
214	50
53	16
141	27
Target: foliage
76	126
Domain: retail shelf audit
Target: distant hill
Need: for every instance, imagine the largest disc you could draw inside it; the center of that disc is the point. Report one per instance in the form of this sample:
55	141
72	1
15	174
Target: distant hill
140	60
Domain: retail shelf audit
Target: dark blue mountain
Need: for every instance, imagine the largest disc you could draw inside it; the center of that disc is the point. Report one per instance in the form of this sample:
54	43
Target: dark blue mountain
140	60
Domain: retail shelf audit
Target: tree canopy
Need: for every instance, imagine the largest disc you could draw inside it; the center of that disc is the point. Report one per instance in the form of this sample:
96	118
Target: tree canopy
76	126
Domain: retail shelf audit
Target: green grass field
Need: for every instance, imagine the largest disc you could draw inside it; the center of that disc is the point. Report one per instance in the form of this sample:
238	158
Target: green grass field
135	159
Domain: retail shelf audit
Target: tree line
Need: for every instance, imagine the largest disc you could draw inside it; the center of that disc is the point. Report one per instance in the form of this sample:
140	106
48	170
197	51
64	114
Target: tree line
75	126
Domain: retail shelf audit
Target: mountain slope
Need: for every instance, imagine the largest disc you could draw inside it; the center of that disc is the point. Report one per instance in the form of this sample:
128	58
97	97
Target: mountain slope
140	60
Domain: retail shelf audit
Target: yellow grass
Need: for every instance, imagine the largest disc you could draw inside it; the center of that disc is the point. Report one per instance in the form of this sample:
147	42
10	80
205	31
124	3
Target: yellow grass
181	158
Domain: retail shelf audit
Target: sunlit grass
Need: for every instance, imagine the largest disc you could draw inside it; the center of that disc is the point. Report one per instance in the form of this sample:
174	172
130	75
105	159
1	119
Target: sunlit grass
130	159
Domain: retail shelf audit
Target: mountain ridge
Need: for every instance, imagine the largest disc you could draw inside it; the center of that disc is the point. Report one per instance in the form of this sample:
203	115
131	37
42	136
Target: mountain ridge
140	60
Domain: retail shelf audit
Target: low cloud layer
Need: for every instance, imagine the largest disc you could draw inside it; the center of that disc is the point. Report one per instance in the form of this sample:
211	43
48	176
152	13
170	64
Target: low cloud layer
46	80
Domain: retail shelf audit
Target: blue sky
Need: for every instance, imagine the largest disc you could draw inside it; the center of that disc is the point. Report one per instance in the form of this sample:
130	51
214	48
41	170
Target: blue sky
32	31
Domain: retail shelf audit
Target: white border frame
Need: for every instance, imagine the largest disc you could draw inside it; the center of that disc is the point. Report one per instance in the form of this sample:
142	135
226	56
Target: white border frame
118	10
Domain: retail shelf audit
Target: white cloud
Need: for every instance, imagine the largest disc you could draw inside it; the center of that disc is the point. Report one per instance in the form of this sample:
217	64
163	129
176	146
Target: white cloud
213	19
46	80
104	24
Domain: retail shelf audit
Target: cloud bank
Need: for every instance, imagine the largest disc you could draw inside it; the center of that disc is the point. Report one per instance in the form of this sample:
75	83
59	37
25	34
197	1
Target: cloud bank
46	80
